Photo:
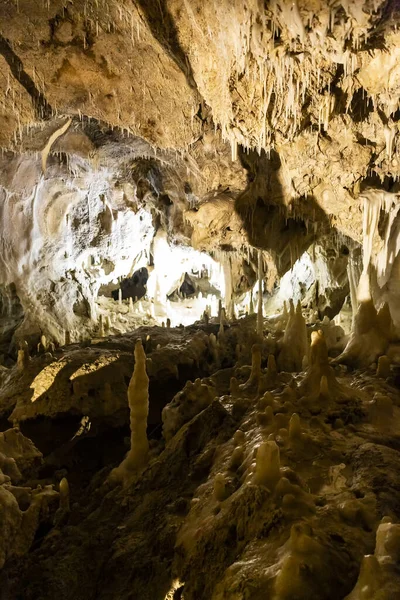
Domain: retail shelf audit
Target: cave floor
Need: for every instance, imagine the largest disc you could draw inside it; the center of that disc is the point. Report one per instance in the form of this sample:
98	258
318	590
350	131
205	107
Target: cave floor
196	524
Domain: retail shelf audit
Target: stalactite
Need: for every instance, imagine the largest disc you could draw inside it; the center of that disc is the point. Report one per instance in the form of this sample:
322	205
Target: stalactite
58	133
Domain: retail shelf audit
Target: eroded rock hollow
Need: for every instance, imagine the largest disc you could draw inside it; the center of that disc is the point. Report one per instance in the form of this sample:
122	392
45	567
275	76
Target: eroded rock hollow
199	300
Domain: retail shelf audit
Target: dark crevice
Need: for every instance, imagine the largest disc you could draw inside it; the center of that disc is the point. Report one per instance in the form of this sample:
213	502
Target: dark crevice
162	26
42	107
361	106
374	181
266	218
364	141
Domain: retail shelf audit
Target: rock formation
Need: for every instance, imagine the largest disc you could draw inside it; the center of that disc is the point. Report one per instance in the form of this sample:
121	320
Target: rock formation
215	185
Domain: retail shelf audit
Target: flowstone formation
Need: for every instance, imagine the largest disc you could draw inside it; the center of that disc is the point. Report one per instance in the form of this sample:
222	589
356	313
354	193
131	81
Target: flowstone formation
199	300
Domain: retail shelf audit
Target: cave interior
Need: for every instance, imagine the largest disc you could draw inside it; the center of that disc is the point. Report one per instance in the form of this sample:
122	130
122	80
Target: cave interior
199	300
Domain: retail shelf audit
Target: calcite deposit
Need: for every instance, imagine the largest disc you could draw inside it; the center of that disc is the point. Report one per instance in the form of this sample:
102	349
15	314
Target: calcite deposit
199	299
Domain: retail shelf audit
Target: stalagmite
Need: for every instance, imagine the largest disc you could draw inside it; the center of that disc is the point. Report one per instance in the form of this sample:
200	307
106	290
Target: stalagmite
294	343
270	379
64	508
18	528
353	284
221	333
266	400
64	495
372	330
383	369
267	471
260	322
379	577
253	382
294	427
194	398
234	388
228	287
251	306
43	344
101	326
148	346
302	550
236	458
213	348
138	399
264	417
370	336
220	491
23	356
320	381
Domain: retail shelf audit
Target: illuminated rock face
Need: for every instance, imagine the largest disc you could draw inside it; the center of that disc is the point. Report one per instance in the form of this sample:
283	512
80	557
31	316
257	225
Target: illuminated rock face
63	239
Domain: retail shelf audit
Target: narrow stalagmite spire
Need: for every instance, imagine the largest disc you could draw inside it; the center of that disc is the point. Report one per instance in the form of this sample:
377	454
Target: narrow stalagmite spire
260	325
251	307
254	380
267	465
101	326
23	355
138	399
294	427
228	287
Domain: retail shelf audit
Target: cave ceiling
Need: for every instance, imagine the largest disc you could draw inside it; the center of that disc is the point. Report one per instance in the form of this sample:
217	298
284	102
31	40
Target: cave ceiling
240	123
317	81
